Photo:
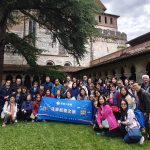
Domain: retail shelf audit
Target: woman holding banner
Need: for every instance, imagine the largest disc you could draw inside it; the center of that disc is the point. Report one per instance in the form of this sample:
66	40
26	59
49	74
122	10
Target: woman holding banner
82	95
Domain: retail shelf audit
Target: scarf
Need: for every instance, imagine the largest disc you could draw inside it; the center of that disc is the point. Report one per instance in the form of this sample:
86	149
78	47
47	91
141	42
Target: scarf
12	110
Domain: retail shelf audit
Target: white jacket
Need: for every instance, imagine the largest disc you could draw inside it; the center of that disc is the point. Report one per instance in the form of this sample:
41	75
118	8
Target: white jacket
131	121
6	110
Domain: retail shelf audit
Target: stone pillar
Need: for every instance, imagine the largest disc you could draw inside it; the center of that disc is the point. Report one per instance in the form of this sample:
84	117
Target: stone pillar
3	78
140	70
102	75
109	74
23	78
14	77
118	74
127	71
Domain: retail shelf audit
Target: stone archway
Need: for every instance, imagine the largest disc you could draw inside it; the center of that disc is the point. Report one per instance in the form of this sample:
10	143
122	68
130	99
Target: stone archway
148	68
123	77
133	73
36	78
9	77
27	81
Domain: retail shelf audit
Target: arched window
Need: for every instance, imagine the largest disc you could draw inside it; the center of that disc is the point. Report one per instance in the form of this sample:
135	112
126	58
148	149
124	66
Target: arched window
36	78
19	77
114	72
9	77
27	81
67	64
133	73
111	20
50	63
100	19
148	69
123	77
105	19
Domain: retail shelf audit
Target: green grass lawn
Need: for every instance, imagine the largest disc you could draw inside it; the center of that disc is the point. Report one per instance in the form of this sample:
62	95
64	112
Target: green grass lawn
59	136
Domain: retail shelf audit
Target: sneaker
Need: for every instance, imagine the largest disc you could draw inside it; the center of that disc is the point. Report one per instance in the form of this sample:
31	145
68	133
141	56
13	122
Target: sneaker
141	140
148	137
3	125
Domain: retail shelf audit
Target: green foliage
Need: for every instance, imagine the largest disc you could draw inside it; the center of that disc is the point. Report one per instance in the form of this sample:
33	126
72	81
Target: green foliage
70	21
45	70
60	136
22	47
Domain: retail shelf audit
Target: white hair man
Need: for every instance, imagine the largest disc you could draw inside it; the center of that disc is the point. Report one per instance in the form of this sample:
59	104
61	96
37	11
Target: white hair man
146	83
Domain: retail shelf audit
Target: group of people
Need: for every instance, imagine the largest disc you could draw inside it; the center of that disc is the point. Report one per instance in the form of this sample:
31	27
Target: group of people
120	108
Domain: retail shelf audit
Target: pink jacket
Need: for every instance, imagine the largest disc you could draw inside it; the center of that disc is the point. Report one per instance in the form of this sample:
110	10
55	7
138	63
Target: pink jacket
106	113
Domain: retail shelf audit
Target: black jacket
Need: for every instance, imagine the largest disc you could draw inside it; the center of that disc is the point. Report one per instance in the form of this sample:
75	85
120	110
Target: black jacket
144	101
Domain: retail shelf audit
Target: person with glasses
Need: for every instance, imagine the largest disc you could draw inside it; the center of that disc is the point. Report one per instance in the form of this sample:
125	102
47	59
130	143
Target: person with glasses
127	123
124	95
114	100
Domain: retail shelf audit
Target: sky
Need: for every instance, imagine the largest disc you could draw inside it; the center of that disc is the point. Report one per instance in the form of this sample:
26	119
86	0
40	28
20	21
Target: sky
134	15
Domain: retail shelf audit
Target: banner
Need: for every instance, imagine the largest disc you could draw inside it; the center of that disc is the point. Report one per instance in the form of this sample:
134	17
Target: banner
76	111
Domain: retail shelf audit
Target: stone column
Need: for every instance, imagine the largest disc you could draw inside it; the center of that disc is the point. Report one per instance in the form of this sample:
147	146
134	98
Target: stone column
140	70
127	71
3	78
109	74
118	74
14	77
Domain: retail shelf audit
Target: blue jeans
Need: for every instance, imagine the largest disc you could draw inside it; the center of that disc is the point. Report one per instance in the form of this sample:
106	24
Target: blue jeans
128	140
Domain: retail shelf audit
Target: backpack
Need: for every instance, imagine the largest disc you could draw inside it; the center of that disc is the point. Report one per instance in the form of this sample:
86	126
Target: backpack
140	117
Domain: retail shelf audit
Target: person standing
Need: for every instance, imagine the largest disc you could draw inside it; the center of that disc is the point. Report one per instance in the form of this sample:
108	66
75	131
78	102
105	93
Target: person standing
5	91
144	105
146	83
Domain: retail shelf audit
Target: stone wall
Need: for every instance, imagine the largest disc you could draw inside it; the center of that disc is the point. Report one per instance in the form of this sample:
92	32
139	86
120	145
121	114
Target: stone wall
131	68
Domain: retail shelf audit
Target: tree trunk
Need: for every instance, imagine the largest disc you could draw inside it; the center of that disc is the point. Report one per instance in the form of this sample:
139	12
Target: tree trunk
3	22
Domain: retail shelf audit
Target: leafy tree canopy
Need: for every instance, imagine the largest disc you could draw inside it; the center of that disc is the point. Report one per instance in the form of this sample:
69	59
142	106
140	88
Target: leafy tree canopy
71	22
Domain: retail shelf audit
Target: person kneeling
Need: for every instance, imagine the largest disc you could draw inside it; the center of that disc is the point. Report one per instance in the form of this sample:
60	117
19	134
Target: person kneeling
9	111
105	118
35	107
27	108
129	125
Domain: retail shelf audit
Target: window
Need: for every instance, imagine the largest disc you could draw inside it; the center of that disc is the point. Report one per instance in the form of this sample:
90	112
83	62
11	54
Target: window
111	20
32	30
50	63
32	26
62	50
67	64
100	19
105	19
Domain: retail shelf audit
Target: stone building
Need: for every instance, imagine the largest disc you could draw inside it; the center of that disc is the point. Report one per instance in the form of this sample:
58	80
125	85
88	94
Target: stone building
110	40
131	62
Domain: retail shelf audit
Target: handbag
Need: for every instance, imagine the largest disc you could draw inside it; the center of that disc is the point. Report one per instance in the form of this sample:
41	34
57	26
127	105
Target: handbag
105	123
134	133
115	108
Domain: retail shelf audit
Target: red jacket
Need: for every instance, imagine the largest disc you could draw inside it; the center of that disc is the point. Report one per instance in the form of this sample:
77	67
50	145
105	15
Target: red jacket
35	107
52	95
